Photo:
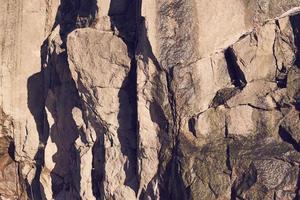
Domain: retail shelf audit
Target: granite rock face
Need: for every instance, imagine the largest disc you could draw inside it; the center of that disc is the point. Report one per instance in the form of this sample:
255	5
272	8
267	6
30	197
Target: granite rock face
164	99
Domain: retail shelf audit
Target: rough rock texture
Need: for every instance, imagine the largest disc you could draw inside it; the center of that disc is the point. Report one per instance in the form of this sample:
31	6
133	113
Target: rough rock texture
162	99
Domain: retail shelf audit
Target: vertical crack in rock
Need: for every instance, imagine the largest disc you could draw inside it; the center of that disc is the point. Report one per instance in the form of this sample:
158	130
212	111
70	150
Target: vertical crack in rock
160	114
177	50
126	24
228	162
236	74
172	175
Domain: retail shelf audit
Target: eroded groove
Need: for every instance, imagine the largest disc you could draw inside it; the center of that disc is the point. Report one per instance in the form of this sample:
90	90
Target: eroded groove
177	51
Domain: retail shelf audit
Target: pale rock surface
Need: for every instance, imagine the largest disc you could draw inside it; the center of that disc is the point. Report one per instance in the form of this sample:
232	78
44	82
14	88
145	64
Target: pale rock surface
164	99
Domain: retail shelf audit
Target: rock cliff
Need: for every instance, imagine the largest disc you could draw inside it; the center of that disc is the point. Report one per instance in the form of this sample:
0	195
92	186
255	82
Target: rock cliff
162	99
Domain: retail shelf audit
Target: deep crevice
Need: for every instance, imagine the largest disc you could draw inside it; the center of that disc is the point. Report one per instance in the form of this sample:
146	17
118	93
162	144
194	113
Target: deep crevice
191	124
125	17
228	161
174	187
11	150
236	74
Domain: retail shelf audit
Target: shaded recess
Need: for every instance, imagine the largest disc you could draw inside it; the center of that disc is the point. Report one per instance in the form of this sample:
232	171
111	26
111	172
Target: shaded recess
192	123
236	74
36	105
55	77
124	16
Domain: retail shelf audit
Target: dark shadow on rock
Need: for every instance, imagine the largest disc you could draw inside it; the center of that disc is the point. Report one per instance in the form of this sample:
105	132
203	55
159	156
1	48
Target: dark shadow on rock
236	74
295	23
127	130
174	188
71	14
287	137
97	172
36	105
65	175
74	14
123	16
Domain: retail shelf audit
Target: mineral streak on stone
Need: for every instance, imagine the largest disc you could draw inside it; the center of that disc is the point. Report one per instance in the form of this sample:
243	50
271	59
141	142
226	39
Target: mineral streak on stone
162	99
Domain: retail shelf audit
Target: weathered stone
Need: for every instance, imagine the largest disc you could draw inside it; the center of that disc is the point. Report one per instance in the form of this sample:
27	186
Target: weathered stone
173	99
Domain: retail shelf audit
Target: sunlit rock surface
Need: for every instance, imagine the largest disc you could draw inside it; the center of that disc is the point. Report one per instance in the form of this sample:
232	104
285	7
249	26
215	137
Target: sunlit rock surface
163	99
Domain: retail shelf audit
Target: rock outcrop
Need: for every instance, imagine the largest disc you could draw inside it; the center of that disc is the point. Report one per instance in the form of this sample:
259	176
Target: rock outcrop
173	99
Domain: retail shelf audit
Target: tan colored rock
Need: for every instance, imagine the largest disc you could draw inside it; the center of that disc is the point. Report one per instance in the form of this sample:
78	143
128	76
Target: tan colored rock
107	98
165	99
211	123
221	27
209	75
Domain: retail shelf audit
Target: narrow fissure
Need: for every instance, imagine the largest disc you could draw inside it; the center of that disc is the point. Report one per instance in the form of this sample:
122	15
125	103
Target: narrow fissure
127	25
228	161
176	189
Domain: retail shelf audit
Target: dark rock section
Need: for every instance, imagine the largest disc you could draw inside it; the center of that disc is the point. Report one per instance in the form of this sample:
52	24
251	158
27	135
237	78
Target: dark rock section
236	74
